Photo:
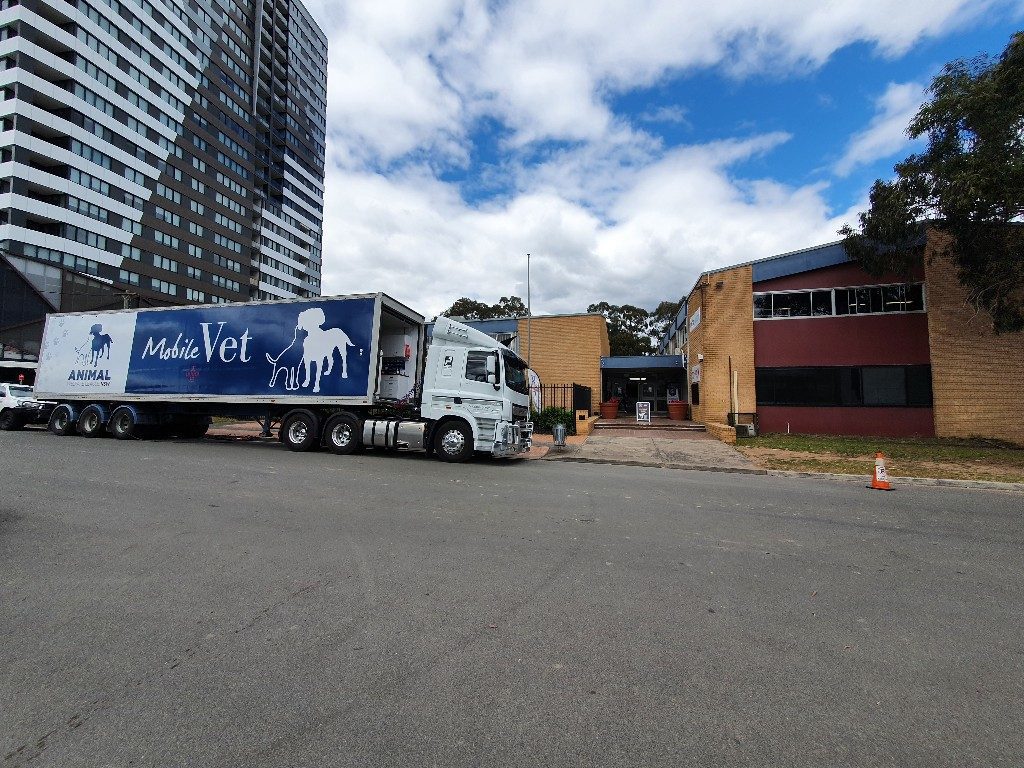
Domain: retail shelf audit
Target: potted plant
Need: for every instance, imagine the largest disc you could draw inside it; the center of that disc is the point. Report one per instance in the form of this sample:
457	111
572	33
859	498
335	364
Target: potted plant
676	410
610	408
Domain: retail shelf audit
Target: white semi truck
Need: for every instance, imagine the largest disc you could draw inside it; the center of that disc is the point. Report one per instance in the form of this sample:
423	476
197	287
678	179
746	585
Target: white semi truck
344	372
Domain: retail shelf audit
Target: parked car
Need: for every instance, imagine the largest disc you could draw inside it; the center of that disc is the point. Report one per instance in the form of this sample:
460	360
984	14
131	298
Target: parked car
19	407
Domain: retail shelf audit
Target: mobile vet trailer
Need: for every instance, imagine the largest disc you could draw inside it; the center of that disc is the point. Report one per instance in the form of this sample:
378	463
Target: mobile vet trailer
344	372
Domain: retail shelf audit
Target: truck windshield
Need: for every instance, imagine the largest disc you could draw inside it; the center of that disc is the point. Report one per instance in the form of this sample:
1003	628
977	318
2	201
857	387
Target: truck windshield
515	374
17	391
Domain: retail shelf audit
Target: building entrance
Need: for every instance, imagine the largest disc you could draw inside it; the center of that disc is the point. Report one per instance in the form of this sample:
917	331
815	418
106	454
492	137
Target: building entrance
653	387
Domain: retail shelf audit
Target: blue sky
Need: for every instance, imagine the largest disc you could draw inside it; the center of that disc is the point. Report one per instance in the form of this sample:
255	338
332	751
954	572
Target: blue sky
626	145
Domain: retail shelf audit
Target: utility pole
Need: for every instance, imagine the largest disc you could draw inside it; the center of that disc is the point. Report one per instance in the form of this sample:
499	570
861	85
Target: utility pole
529	314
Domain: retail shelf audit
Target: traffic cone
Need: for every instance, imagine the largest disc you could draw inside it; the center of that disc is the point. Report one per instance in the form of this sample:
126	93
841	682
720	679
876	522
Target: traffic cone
880	480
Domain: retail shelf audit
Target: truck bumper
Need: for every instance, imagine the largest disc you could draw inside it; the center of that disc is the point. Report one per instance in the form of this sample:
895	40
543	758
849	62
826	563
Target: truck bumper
512	439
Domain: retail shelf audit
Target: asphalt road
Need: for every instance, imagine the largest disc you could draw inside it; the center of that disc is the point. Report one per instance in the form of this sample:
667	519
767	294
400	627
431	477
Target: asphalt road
216	604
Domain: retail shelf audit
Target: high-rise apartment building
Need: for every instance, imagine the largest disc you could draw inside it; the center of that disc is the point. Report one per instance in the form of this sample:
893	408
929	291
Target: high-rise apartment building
172	150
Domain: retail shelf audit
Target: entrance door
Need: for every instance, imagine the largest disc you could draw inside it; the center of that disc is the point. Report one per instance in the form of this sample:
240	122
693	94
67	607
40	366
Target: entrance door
648	391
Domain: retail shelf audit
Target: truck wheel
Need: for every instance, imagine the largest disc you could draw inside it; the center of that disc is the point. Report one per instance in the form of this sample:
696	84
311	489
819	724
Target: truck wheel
90	423
9	421
453	441
61	423
122	423
299	432
342	435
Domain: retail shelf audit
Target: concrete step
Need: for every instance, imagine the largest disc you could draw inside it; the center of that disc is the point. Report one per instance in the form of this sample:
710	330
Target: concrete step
666	426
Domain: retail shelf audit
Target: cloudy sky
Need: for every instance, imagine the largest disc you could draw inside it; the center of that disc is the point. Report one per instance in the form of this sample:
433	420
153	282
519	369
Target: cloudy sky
626	144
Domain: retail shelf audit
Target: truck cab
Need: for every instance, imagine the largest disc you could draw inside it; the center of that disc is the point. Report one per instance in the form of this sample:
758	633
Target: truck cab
471	379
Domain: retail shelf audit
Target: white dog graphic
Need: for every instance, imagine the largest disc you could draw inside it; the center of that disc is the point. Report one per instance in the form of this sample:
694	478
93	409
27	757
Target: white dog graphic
287	363
320	345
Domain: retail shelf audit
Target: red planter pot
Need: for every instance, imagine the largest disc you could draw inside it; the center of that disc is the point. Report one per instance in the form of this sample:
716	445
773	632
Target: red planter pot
677	410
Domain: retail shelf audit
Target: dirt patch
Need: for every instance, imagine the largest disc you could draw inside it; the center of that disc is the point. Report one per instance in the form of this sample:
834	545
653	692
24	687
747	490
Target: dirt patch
808	461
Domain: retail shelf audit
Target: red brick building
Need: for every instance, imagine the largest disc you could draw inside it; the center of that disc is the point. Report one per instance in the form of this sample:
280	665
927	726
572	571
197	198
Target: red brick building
823	347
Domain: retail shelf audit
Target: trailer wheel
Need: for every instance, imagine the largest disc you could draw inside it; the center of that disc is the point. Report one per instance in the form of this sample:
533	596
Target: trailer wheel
90	423
453	441
61	423
123	424
299	431
341	435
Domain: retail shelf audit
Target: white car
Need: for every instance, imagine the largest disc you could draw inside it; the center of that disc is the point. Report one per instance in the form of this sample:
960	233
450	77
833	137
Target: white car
18	407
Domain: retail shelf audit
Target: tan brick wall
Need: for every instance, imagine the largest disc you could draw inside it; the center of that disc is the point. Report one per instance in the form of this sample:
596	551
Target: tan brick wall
566	349
977	376
726	330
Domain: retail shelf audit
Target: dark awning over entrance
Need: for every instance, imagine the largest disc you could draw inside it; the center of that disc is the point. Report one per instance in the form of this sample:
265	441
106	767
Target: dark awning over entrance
653	378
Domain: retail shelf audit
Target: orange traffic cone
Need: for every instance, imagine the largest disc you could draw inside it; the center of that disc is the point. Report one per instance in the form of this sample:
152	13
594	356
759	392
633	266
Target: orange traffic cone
880	480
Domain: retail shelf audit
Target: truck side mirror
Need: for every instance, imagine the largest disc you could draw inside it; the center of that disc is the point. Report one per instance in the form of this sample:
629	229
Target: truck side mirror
491	366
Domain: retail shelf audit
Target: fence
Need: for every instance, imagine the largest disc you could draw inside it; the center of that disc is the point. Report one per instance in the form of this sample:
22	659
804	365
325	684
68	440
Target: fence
571	397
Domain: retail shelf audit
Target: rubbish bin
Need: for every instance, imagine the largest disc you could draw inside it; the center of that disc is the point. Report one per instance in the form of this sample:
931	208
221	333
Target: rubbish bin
558	432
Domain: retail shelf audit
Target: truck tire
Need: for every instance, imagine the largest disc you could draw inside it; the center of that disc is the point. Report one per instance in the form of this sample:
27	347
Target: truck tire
9	421
90	422
453	441
342	434
123	423
61	423
300	431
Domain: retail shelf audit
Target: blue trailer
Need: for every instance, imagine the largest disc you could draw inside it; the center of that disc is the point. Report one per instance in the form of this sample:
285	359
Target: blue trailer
345	372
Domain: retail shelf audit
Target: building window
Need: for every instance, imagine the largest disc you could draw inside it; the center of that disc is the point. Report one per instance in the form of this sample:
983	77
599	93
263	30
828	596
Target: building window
842	386
164	287
860	300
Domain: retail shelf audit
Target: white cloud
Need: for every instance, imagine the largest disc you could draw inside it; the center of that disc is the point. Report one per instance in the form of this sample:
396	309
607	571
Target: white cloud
664	114
411	75
886	134
679	214
608	211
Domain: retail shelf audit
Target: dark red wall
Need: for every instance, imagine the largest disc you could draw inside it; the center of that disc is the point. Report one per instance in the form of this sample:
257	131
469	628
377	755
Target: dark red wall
896	339
848	340
888	422
844	275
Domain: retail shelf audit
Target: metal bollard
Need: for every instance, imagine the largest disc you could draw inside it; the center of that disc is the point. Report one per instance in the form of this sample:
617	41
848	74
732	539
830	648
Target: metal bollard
559	432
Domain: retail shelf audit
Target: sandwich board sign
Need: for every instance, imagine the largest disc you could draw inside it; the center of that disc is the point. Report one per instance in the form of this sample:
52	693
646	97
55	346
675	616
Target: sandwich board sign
643	412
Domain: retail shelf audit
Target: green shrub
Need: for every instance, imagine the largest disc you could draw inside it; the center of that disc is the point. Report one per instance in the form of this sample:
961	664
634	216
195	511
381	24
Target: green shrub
544	421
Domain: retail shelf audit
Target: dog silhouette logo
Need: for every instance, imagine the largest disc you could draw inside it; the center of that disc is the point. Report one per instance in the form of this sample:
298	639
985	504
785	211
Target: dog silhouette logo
288	363
311	352
92	351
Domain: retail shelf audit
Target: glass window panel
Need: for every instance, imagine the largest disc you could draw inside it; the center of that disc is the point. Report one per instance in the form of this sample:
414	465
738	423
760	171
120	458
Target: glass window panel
476	366
877	302
885	386
791	304
821	303
842	301
860	301
915	298
919	385
894	298
762	305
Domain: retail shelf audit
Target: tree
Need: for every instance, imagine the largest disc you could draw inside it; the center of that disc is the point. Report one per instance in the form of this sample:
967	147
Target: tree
470	309
967	186
634	330
511	306
663	317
